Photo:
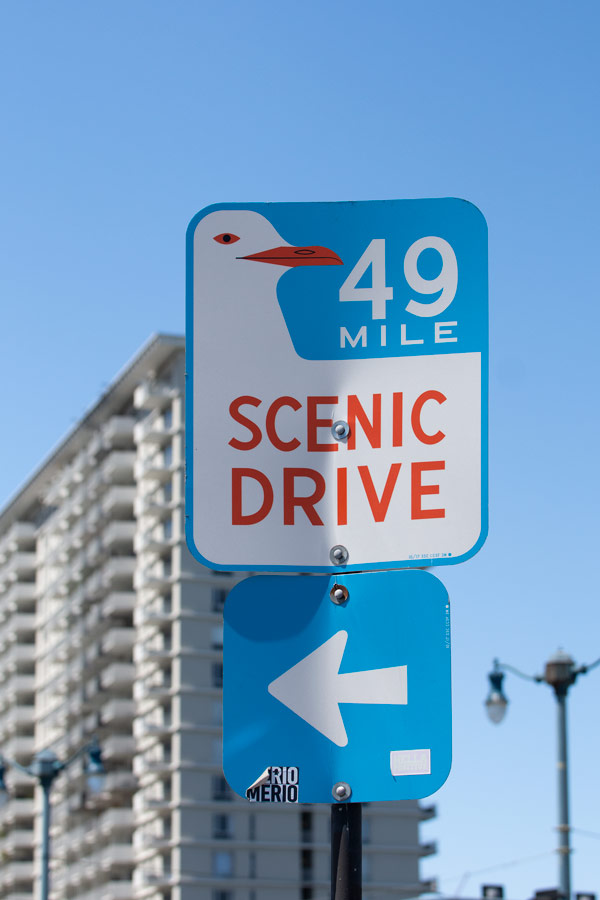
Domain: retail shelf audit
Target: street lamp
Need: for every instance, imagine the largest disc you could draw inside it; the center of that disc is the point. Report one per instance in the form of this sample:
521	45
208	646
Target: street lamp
45	767
560	673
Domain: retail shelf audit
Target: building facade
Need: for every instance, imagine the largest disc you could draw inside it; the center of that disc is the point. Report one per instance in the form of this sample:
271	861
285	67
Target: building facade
108	627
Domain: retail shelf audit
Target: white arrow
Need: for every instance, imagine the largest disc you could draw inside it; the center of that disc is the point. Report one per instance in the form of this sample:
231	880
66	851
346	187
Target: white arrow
314	688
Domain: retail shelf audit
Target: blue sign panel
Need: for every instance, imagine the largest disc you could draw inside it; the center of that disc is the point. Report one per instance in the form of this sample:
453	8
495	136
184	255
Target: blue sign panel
337	385
337	688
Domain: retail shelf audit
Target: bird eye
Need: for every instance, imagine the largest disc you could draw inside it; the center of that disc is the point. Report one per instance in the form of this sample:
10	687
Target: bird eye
226	238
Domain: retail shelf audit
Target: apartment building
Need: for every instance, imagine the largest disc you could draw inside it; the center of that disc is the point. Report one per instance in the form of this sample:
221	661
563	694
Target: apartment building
108	627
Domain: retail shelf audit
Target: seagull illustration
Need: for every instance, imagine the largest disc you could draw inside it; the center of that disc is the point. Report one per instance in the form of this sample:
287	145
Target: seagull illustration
237	297
242	348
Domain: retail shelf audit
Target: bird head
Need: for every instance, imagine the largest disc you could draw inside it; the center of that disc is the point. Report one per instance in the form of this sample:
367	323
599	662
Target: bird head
236	239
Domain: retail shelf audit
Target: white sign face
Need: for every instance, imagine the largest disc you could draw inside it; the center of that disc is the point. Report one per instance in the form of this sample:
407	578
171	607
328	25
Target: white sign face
337	360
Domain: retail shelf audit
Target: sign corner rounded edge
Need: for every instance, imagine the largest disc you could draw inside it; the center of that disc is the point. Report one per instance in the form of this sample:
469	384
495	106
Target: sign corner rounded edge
203	560
473	210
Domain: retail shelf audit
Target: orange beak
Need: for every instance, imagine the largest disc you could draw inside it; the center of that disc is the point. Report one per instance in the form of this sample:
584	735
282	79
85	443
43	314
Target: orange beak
297	256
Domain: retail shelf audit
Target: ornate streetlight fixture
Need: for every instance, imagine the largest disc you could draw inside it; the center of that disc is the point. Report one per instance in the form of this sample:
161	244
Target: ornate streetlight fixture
45	767
560	673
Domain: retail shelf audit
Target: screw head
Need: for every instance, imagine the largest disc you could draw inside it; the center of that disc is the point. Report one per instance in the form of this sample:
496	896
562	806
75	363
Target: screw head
341	790
340	430
339	555
339	594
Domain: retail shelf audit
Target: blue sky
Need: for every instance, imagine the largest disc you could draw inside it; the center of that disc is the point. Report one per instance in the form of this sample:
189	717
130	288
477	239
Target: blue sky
121	120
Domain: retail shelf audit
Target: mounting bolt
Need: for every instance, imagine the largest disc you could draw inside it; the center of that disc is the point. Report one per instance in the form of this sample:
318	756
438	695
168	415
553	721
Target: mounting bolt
338	555
341	790
338	594
340	430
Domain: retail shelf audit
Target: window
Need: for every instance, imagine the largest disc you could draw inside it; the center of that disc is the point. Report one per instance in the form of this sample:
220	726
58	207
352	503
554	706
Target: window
168	529
252	865
168	455
306	827
217	712
217	674
168	417
216	637
218	599
220	788
306	893
221	826
222	864
366	830
222	895
306	865
217	751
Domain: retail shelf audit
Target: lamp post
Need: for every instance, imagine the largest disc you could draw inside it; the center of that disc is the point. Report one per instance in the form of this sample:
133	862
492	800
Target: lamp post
560	673
45	767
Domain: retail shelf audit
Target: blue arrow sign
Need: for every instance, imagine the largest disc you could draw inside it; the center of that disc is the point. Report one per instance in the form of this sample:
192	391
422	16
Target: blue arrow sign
353	690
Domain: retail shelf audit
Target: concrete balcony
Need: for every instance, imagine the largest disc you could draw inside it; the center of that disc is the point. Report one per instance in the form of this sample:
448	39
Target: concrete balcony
118	640
118	467
117	572
116	890
119	784
118	711
19	685
159	729
151	769
19	656
118	431
116	855
157	578
18	839
110	890
153	429
153	541
160	655
159	879
22	593
118	534
18	534
16	780
16	873
118	501
19	748
119	603
153	503
161	805
158	615
21	565
116	820
18	718
154	467
118	747
118	676
17	809
21	625
153	395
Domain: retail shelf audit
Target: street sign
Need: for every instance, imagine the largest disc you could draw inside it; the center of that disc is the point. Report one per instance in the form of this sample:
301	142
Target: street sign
322	695
337	385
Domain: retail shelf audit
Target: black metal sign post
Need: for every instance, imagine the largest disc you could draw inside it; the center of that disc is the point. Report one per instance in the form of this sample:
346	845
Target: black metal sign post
346	851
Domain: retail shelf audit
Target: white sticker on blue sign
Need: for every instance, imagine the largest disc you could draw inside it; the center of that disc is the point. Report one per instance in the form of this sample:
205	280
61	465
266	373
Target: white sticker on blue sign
410	762
337	384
